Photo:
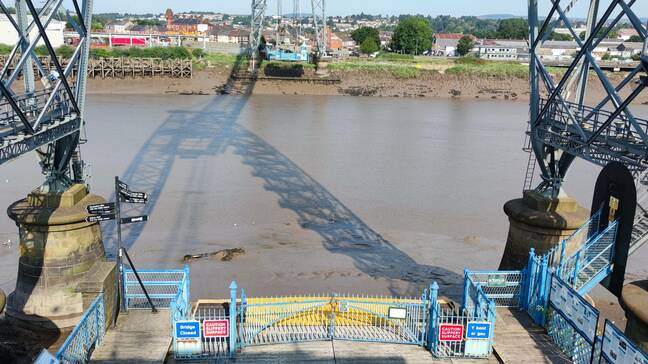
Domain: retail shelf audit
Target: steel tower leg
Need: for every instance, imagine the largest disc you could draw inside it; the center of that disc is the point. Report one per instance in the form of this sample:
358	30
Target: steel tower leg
28	67
319	23
256	31
563	127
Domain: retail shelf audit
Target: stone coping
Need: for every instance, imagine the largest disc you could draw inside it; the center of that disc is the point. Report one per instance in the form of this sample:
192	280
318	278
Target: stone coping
633	300
54	209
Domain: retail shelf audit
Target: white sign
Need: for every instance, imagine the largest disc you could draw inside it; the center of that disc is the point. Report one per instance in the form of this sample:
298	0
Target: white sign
397	313
617	349
574	308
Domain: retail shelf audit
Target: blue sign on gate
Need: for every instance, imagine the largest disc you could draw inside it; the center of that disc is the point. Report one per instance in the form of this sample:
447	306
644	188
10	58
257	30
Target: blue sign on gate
187	330
478	330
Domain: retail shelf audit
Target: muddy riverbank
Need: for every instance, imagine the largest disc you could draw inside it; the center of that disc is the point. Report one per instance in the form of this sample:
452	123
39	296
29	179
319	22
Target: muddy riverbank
353	83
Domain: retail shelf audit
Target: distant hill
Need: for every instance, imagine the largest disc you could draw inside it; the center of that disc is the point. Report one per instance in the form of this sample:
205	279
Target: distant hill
499	16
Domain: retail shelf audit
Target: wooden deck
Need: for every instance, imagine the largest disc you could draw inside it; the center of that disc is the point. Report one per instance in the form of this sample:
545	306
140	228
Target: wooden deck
350	352
519	340
140	337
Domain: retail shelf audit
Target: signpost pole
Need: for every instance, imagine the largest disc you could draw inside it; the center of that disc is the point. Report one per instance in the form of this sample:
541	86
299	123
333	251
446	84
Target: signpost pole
232	318
140	282
120	265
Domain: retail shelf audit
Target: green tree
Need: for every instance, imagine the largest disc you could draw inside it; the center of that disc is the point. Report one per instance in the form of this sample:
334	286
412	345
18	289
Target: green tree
635	38
513	29
369	46
198	53
149	22
560	36
611	34
361	34
465	45
412	35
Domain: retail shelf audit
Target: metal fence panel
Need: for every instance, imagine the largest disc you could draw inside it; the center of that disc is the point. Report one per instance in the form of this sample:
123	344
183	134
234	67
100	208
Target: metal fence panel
503	287
400	321
212	347
572	322
461	347
86	335
162	286
327	317
284	320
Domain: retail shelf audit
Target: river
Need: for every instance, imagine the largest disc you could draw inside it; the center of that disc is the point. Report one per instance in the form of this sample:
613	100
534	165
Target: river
371	195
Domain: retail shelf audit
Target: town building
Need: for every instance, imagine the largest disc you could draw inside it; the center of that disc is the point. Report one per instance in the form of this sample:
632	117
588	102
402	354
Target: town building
185	24
239	36
54	31
119	26
334	41
347	41
502	50
445	44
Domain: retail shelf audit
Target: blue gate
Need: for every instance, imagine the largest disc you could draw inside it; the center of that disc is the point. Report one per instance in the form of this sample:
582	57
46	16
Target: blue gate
274	320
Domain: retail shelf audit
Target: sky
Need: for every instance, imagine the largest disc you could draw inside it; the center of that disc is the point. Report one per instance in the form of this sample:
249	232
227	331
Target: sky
346	7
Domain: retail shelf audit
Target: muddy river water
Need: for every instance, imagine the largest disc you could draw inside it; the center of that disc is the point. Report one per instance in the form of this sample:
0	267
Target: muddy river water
323	194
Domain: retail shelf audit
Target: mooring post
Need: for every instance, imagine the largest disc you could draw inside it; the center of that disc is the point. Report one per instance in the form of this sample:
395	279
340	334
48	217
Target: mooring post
531	277
523	290
478	303
466	291
232	318
242	308
185	289
433	317
542	292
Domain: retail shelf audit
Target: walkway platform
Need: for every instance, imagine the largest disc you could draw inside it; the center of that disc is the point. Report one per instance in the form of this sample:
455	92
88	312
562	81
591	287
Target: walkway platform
330	352
140	337
519	340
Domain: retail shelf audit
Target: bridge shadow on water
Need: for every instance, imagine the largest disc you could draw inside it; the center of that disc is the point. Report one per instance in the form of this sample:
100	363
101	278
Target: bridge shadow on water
214	130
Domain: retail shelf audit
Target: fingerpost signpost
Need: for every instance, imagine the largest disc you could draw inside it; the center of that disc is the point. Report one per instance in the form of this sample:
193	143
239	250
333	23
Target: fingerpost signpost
112	211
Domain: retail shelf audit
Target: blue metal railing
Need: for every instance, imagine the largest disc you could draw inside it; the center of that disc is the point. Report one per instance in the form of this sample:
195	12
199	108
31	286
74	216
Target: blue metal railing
557	254
592	262
162	286
86	335
505	288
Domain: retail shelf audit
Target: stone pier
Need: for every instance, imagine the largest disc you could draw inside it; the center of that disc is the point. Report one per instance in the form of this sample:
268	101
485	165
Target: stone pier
634	300
59	251
539	222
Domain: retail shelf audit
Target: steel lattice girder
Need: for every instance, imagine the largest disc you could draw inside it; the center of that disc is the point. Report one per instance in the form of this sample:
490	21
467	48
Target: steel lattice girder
600	134
40	117
258	16
319	23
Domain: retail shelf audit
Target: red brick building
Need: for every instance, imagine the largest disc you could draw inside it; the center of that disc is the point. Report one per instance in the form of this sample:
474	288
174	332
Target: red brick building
184	25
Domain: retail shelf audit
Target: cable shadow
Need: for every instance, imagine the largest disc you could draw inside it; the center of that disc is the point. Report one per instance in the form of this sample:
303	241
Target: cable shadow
183	135
341	230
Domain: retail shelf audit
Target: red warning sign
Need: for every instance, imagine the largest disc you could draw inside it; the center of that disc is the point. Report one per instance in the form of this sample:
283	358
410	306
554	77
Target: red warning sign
450	332
215	328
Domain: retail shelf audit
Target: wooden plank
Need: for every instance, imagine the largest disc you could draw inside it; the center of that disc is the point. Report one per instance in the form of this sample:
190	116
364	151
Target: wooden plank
519	340
140	337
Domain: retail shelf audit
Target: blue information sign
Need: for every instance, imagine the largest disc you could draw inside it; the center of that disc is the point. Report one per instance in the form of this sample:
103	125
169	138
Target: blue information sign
478	330
187	330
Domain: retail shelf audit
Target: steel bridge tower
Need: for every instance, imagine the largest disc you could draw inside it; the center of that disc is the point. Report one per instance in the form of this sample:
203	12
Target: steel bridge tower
257	23
319	23
46	116
566	122
256	30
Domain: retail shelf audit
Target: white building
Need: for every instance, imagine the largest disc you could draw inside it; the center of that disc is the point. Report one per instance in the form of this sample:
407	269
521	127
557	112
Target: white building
54	31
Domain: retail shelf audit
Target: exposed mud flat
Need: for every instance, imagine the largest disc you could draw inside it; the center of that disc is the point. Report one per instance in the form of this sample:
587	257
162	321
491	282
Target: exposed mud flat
353	83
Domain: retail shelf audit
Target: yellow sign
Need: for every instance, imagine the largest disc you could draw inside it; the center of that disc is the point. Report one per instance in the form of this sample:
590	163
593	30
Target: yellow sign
614	207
